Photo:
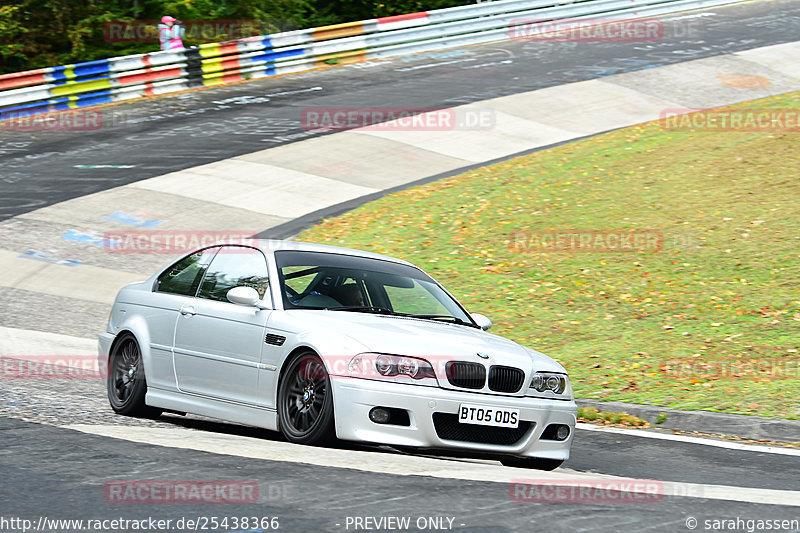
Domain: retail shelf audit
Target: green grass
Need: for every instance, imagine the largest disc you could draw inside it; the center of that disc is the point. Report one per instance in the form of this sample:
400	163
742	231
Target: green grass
711	321
590	414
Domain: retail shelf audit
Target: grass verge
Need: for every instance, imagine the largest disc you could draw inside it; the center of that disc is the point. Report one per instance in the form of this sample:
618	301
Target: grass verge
710	321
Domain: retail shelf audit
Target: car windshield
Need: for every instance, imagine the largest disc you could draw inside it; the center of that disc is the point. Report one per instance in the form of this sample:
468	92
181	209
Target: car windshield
318	280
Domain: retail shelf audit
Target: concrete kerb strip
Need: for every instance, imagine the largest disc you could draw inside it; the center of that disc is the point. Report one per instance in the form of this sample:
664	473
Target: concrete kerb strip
290	229
744	426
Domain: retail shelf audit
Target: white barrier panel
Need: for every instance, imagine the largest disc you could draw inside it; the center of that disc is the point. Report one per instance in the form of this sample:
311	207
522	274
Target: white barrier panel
123	78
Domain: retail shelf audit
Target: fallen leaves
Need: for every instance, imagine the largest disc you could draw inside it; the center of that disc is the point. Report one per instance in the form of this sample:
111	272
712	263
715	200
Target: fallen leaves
615	320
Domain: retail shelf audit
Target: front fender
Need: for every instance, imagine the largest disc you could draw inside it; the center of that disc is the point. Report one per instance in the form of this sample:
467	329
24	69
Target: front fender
334	347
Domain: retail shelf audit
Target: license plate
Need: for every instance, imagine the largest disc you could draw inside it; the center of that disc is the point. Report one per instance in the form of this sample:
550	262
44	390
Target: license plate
488	416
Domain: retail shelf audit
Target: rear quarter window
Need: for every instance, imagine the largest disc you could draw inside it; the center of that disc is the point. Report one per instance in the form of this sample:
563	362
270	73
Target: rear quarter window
184	276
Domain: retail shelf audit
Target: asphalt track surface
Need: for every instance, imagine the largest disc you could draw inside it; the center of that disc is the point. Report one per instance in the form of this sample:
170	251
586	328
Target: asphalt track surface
181	131
60	473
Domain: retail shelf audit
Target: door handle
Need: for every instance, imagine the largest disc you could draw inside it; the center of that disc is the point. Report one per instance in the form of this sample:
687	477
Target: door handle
187	311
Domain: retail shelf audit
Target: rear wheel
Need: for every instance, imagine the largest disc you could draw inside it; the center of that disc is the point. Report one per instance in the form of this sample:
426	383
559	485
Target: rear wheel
537	463
126	381
305	401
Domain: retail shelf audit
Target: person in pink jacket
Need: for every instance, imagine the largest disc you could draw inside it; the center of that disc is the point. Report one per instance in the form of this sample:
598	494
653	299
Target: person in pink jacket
170	33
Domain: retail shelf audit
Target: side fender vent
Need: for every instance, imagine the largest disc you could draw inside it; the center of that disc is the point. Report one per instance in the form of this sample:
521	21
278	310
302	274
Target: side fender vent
276	340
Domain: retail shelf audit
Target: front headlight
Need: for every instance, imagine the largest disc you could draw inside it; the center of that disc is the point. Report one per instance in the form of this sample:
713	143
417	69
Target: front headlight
396	368
549	385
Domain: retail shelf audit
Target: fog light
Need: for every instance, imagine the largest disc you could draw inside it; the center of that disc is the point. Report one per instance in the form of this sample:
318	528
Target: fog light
379	415
558	432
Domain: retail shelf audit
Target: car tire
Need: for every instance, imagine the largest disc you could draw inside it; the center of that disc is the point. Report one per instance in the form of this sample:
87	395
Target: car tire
305	401
536	463
126	382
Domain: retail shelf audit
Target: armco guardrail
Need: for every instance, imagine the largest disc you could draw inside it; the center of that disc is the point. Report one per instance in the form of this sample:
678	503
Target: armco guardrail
123	78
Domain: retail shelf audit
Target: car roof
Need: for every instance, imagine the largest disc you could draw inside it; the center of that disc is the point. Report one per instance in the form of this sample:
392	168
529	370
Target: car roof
272	245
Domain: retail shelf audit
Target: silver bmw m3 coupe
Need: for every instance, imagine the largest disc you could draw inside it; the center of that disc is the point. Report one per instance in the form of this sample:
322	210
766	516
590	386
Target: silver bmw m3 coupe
321	343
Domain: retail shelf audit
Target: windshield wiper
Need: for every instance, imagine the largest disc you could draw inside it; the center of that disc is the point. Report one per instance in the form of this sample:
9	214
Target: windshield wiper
364	309
449	318
385	311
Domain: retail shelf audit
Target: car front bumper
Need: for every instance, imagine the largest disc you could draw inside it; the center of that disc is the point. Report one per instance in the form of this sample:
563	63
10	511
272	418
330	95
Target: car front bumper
354	398
104	341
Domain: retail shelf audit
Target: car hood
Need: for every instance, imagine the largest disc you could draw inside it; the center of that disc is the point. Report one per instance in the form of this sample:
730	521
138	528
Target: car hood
425	338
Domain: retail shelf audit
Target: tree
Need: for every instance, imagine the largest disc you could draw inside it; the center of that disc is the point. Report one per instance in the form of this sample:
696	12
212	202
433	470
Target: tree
41	33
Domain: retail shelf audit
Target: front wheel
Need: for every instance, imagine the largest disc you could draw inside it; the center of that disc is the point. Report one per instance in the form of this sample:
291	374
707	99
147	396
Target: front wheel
537	463
126	382
305	401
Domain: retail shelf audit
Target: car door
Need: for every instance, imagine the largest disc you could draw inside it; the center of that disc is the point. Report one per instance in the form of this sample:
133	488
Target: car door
174	287
218	344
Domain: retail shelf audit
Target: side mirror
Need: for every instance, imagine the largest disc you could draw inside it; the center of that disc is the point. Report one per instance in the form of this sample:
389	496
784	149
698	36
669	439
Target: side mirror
482	320
244	296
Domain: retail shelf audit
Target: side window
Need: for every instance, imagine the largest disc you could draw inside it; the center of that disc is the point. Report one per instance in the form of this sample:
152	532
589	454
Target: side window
184	276
235	266
298	278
